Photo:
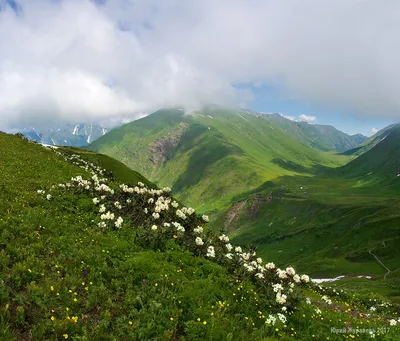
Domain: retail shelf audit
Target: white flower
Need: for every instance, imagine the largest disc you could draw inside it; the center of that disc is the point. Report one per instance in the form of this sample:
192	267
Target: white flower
180	214
154	227
102	208
259	260
259	275
270	320
392	322
48	197
205	218
281	273
167	224
281	298
372	309
238	249
270	266
145	210
296	278
282	317
190	211
228	255
199	241
210	252
229	247
290	271
284	308
224	238
174	204
305	278
117	205
277	287
150	201
308	301
180	228
156	215
318	311
40	191
119	222
326	299
198	229
107	216
96	201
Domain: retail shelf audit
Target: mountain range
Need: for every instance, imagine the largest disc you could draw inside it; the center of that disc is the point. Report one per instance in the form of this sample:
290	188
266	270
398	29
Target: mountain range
77	135
293	189
91	249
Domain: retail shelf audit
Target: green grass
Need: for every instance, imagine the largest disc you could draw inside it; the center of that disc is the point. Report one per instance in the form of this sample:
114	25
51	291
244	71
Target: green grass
61	276
214	158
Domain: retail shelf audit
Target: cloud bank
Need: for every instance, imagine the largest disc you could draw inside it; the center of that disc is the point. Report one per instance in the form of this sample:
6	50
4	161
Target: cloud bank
306	118
75	60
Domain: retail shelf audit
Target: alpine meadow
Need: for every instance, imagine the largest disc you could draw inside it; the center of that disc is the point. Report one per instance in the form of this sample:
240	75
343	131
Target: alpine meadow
199	170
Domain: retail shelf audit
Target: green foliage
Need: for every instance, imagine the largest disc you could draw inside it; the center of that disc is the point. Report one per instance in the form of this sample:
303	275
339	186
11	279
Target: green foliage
64	277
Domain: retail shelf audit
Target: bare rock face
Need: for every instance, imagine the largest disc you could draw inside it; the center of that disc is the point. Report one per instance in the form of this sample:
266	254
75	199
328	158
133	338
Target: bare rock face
233	214
161	148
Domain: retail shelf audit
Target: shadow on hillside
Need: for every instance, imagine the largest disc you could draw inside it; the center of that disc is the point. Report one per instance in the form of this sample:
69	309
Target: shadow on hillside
295	167
206	152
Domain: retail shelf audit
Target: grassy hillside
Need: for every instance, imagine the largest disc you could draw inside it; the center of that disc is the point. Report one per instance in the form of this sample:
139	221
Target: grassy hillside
70	269
209	157
322	137
337	222
372	141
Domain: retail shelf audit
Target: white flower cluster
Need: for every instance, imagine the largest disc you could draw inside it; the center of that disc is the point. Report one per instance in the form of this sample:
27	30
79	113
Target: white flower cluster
158	205
326	299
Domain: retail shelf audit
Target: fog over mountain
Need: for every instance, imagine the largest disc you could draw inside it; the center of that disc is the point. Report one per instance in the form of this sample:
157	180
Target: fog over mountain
68	60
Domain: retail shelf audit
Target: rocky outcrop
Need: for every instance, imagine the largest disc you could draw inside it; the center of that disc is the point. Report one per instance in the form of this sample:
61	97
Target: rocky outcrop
161	148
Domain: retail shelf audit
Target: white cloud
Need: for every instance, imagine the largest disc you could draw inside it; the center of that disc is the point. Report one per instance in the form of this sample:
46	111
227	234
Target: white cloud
374	130
292	118
306	118
74	59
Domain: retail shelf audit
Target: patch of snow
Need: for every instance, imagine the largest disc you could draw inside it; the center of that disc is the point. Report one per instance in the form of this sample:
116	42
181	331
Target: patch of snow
384	138
49	146
65	141
209	116
53	141
324	280
209	128
75	130
88	139
398	174
242	117
369	173
103	131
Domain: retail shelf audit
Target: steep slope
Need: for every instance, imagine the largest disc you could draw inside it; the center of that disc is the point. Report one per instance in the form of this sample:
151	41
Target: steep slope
344	221
380	163
210	156
322	137
69	135
372	141
69	270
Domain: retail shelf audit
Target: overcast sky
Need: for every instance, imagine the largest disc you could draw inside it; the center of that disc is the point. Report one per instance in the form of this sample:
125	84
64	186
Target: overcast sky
90	60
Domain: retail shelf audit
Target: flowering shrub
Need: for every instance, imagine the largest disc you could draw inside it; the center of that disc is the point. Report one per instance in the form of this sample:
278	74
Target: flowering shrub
158	218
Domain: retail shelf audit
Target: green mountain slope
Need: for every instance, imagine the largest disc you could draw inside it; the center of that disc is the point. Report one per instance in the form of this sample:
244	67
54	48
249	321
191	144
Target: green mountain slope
209	157
337	222
322	137
372	141
71	270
